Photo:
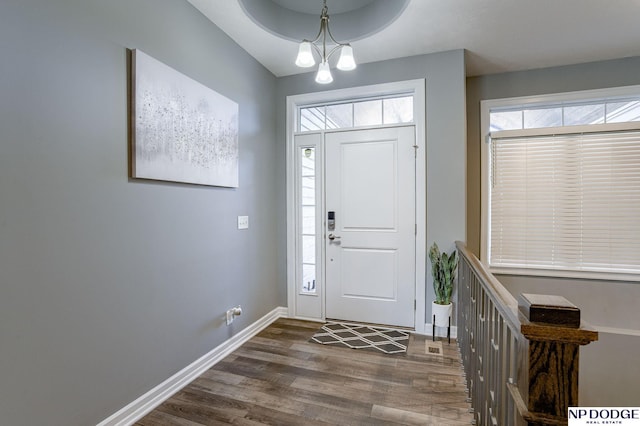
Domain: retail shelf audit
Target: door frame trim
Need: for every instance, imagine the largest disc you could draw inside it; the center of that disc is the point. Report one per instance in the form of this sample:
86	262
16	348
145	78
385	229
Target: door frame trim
415	87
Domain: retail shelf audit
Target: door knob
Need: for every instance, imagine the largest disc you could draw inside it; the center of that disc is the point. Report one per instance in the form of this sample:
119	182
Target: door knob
333	237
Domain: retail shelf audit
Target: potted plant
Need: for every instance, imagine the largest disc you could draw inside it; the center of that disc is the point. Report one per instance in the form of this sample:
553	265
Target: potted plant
443	270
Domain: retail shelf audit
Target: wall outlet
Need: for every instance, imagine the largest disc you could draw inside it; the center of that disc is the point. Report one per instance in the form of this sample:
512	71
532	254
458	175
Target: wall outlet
243	222
232	313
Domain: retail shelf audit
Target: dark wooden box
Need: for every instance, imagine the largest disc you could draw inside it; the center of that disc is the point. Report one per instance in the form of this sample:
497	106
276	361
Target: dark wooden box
548	309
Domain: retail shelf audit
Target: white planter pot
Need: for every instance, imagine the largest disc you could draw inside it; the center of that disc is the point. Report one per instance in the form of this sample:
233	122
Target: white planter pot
442	313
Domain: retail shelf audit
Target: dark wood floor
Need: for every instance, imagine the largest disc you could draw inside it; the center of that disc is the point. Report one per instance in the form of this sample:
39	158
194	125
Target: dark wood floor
280	378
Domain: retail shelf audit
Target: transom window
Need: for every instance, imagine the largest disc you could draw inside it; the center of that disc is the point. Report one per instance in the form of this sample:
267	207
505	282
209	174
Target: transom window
561	186
570	114
361	113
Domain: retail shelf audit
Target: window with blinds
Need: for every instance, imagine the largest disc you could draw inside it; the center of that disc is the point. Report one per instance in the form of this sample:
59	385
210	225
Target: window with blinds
566	199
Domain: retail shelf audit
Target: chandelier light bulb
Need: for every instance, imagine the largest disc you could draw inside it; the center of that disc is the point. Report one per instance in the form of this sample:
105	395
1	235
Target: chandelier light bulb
346	61
324	74
305	55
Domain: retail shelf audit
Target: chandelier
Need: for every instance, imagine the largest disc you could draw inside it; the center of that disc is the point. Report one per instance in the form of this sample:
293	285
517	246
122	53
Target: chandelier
305	57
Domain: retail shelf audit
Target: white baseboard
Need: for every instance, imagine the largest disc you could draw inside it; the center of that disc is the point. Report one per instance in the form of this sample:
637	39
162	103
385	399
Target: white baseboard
440	331
150	400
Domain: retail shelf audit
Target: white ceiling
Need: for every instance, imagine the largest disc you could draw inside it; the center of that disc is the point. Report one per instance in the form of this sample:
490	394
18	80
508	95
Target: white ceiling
499	35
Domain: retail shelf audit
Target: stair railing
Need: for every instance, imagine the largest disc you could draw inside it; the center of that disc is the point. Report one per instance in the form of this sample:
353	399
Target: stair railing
520	356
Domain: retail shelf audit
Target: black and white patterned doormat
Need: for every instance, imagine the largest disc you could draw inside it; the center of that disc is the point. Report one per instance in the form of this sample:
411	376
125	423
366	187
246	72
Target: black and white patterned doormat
383	340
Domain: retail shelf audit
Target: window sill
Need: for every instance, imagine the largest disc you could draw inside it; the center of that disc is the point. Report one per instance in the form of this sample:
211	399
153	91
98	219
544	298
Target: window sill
556	273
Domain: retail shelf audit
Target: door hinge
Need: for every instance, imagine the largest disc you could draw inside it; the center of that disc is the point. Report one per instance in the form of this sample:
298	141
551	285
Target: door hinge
415	304
415	229
415	151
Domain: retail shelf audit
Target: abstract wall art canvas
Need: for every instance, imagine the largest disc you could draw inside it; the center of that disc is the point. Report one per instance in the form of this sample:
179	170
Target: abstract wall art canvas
182	130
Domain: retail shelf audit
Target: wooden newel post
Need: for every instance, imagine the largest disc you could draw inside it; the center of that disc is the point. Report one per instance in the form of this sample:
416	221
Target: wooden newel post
552	326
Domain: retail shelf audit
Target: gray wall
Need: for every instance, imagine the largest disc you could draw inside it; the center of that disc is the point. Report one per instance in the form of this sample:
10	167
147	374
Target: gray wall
109	286
595	75
445	133
607	375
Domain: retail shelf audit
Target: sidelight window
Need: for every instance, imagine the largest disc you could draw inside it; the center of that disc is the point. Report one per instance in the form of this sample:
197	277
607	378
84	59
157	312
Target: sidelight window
308	211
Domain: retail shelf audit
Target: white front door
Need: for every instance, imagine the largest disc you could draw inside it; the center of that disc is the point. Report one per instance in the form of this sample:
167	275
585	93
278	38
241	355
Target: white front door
370	255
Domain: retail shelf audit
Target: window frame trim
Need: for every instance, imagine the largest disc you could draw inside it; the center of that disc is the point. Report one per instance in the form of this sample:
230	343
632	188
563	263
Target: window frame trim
486	106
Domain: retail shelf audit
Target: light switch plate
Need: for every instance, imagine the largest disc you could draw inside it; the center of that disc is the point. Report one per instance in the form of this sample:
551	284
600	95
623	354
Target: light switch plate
243	222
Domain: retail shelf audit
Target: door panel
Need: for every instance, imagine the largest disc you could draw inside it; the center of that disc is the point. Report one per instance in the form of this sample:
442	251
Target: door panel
370	256
369	273
362	206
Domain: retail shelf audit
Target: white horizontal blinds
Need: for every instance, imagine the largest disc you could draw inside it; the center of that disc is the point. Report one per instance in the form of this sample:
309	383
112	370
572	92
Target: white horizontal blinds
569	202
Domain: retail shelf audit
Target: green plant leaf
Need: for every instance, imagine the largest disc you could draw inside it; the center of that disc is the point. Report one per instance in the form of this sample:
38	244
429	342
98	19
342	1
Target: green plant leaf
443	270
